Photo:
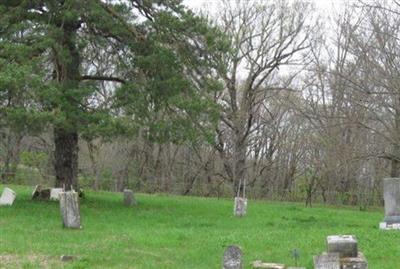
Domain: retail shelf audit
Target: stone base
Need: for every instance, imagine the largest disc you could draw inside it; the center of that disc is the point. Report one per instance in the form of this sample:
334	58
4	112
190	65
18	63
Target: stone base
358	262
387	226
266	265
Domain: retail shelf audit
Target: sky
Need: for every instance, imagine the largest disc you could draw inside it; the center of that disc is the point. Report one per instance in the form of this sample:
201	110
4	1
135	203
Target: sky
324	6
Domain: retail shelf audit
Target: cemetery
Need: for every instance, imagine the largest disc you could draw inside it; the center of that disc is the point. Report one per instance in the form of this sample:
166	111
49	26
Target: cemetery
176	134
163	231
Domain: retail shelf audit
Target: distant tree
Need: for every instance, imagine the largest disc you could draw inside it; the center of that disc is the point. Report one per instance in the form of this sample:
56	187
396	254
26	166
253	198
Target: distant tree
91	68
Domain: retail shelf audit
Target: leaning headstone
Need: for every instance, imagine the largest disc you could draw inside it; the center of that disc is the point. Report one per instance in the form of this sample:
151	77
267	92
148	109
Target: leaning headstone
240	207
7	197
345	245
358	262
69	208
232	258
129	198
391	195
55	193
267	265
327	261
39	193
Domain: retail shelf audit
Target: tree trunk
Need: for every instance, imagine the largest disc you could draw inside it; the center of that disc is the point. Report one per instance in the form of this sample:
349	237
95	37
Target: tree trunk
66	159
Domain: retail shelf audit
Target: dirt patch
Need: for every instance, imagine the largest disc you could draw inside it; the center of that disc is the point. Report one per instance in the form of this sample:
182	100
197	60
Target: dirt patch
19	261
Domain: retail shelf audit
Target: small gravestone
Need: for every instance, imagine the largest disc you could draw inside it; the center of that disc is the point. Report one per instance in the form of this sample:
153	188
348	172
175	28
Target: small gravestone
69	208
7	197
358	262
67	258
232	258
345	245
267	265
39	193
240	207
327	261
129	198
391	195
55	194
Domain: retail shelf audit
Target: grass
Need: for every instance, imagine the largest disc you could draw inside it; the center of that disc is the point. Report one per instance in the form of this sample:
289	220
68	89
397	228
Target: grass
181	232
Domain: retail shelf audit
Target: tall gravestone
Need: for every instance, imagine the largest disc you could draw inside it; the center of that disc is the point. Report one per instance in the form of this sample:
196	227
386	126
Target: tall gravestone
232	258
69	208
129	198
240	207
391	196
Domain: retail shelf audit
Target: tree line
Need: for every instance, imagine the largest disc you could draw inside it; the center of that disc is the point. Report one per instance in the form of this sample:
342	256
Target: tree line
265	96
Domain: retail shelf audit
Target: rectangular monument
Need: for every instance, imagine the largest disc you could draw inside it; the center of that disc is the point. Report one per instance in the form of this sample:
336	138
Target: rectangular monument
7	197
240	207
345	245
69	207
391	196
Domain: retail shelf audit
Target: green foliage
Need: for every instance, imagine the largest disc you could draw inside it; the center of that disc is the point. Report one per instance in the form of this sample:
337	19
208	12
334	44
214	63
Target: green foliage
46	47
183	232
33	159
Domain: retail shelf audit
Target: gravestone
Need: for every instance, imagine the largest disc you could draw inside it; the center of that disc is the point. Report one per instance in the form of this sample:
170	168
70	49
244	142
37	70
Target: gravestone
55	193
391	195
39	193
129	198
345	245
240	207
296	268
69	208
267	265
7	197
232	258
327	261
358	262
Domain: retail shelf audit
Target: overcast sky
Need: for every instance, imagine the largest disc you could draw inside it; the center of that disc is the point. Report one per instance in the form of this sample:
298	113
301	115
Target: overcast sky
324	6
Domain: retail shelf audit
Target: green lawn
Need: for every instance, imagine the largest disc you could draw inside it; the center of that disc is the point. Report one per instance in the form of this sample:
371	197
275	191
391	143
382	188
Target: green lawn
181	232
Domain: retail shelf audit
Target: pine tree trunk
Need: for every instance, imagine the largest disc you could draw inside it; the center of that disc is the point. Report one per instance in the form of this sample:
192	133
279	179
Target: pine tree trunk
66	159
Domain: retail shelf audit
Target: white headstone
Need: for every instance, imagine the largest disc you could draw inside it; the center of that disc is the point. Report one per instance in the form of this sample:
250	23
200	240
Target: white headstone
327	261
55	193
7	197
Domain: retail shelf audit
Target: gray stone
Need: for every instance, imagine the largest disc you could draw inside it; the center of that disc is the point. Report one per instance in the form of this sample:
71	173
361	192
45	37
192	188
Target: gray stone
240	207
129	198
391	195
69	207
67	258
327	261
267	265
232	258
358	262
7	197
345	245
296	268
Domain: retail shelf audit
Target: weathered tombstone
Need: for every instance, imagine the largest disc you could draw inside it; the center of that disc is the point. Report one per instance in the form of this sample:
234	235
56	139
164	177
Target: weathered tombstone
129	198
40	194
69	208
55	193
358	262
232	258
327	261
267	265
345	245
391	195
240	207
7	197
67	258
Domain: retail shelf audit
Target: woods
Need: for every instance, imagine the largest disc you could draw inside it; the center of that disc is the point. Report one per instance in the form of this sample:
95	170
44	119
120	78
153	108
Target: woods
267	96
